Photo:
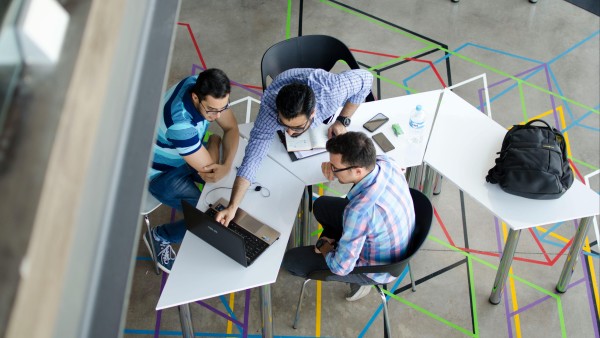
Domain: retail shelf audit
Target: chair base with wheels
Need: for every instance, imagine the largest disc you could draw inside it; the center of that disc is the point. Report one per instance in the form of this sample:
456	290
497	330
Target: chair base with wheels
150	204
423	219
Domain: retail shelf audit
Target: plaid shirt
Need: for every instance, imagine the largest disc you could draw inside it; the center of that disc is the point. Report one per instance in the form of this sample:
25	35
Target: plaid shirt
332	91
378	222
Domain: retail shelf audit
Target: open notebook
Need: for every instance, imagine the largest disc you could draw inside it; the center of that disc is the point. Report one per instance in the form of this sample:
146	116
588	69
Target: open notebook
312	139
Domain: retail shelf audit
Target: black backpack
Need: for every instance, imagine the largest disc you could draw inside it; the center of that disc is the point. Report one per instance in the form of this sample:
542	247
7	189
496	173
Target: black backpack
532	163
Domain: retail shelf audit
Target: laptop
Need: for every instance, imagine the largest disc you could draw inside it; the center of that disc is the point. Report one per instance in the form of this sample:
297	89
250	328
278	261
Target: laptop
244	240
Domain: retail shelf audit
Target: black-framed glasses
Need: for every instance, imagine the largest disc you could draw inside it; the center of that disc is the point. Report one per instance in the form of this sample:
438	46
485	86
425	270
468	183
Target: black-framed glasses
298	130
215	112
336	170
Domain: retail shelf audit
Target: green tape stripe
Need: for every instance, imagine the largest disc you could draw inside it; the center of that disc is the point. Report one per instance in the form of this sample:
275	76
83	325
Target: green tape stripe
316	233
335	192
584	163
206	136
394	83
531	285
430	314
492	266
563	328
473	298
522	98
288	20
382	24
460	56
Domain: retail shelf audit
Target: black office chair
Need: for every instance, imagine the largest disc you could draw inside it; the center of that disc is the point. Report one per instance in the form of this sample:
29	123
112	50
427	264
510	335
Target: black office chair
308	51
423	219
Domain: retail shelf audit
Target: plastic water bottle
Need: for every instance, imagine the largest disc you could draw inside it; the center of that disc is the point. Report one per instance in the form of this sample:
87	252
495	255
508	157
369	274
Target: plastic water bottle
416	125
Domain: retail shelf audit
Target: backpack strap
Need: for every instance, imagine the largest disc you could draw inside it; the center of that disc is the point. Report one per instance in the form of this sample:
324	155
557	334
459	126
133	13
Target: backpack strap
494	175
538	120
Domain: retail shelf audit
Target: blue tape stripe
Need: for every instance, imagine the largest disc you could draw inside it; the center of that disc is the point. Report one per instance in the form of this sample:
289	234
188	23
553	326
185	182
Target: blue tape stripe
573	47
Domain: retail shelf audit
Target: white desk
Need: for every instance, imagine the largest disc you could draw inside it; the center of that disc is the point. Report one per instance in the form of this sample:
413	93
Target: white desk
308	170
397	109
463	148
202	272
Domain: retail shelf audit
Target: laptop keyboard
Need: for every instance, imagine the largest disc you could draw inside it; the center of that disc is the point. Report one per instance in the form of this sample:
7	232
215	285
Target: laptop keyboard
254	245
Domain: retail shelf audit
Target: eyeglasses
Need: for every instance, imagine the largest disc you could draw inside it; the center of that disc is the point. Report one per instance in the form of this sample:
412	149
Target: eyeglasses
336	170
215	112
299	130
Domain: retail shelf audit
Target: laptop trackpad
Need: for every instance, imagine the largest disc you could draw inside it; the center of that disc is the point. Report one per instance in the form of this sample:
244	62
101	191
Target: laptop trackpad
259	229
251	224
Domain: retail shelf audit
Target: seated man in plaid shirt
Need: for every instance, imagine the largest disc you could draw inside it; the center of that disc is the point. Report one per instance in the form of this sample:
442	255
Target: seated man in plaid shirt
371	226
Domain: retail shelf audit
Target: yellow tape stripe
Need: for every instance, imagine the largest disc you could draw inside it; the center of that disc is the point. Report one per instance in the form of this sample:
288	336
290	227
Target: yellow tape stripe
318	301
593	277
229	322
553	234
318	311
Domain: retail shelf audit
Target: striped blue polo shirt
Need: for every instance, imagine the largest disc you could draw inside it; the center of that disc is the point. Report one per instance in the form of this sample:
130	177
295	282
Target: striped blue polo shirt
180	130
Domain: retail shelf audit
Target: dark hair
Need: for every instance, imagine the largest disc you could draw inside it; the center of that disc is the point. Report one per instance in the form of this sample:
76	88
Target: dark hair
295	99
212	82
355	147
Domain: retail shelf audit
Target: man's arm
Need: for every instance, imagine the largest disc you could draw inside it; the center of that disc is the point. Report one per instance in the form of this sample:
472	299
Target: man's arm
261	136
199	159
337	128
240	186
231	134
343	259
358	85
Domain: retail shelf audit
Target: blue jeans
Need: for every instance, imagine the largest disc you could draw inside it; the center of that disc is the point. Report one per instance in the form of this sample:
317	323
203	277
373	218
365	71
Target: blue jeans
170	188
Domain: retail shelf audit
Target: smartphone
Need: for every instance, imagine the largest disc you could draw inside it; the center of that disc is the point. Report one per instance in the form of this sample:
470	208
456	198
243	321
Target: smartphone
376	122
383	142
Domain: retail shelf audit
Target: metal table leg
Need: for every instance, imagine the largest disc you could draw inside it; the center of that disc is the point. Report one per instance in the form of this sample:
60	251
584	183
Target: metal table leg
574	251
306	212
185	317
437	185
300	235
414	176
265	309
505	262
428	181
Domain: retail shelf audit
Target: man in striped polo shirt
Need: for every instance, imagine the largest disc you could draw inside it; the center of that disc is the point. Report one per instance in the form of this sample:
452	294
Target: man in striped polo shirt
371	226
181	159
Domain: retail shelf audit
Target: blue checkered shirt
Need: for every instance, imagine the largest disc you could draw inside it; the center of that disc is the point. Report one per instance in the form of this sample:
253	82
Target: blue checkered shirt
332	91
378	222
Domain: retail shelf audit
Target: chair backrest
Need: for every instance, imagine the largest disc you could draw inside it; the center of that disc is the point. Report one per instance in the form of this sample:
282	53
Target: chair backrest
150	204
423	220
307	51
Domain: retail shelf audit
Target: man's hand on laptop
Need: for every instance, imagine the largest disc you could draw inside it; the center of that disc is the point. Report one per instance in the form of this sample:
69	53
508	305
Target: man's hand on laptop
226	215
213	172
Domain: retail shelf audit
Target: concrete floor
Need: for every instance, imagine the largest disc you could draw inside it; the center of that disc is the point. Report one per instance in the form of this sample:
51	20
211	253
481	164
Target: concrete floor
552	45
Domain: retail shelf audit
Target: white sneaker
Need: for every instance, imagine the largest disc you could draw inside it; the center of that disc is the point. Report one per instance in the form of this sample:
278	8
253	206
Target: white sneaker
358	291
164	251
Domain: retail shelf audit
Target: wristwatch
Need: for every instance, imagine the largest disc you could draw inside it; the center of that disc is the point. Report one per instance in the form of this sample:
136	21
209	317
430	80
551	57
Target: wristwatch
345	121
